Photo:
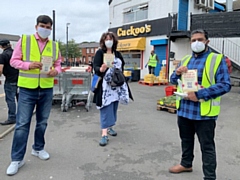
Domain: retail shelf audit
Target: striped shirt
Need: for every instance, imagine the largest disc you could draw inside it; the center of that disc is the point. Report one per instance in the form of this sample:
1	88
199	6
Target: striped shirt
190	109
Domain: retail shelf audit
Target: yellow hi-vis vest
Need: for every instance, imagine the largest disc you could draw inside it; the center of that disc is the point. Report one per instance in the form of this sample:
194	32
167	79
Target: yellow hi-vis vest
31	53
152	60
212	106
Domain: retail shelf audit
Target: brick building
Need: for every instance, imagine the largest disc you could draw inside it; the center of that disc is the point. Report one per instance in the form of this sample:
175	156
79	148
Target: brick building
88	50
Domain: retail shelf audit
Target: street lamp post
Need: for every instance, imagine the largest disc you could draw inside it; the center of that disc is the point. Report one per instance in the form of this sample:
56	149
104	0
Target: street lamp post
67	43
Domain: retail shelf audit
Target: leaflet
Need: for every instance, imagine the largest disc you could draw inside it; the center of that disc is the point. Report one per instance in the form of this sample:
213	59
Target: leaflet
190	81
47	63
108	59
183	95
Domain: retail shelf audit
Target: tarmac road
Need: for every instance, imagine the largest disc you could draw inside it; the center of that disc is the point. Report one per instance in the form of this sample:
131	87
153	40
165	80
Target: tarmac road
146	146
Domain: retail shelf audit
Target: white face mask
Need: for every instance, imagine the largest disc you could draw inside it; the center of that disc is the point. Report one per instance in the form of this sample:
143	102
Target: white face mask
43	33
198	46
109	43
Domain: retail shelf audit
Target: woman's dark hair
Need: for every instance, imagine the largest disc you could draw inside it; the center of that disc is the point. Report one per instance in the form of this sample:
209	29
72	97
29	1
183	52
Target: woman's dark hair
44	19
113	37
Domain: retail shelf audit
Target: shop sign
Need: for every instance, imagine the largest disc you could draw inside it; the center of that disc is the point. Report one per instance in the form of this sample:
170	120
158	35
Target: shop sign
144	29
134	31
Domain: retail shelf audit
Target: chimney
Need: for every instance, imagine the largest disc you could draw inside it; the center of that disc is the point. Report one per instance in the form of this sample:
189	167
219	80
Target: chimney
229	5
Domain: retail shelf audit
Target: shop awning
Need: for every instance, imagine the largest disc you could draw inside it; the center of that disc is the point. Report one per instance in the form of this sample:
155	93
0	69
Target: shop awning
132	44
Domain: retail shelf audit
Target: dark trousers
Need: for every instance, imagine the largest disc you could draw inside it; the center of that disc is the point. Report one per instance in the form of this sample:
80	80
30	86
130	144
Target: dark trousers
205	130
151	69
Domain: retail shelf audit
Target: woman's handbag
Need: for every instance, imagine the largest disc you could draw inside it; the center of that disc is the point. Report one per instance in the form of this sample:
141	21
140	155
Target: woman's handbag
118	78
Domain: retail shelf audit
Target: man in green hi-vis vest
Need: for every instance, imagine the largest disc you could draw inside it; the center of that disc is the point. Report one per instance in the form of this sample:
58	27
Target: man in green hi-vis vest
198	112
152	62
38	60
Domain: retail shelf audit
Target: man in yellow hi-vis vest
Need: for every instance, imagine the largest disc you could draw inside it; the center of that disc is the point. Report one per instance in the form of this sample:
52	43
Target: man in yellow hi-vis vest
198	111
152	62
38	60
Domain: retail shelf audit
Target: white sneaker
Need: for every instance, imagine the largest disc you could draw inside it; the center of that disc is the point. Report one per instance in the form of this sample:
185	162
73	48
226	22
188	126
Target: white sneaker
13	167
41	154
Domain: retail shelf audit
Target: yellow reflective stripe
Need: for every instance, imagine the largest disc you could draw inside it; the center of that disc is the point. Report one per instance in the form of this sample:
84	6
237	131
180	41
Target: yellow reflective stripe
28	75
211	69
33	75
185	58
215	103
28	45
45	76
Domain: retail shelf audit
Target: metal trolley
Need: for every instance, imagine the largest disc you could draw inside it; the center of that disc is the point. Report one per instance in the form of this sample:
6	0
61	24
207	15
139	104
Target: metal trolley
77	88
58	88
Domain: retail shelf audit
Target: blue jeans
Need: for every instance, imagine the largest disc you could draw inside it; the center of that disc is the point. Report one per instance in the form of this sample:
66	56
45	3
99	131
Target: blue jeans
28	99
10	90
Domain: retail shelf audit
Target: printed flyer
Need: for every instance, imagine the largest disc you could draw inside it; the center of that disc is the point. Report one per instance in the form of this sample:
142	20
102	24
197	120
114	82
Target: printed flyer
190	81
108	59
47	64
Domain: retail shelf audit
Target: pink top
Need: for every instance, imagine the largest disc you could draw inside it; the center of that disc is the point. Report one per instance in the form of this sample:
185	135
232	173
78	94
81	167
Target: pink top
17	62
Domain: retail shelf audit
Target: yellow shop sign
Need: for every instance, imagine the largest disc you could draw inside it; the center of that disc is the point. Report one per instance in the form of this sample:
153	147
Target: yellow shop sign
132	31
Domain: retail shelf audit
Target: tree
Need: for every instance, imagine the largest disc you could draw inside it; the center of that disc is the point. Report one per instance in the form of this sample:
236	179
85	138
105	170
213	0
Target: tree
73	49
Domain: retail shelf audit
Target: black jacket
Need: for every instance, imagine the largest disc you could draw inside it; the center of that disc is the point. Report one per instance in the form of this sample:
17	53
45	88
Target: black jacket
10	73
97	63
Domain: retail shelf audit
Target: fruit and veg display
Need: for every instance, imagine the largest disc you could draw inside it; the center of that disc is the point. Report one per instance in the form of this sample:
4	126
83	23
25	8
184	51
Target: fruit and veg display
168	101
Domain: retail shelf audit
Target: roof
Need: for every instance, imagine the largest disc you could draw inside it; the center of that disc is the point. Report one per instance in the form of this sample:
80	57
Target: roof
9	37
89	45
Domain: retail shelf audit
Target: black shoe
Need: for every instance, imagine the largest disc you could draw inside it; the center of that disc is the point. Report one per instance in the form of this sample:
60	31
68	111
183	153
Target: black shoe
7	122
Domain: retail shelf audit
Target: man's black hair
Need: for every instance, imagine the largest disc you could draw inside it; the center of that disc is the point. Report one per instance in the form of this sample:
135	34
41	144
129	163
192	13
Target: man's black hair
202	31
44	19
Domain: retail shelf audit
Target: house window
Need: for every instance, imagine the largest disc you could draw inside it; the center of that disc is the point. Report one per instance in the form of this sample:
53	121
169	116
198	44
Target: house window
135	13
92	50
88	50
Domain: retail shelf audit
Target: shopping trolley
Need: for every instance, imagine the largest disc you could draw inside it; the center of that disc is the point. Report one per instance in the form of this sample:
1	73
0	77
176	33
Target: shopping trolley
77	84
58	89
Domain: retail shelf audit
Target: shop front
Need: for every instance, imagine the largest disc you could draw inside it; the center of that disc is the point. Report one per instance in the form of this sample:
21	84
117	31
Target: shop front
136	42
132	52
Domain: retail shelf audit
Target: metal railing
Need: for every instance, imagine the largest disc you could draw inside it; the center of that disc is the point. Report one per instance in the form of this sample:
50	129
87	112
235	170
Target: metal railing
226	47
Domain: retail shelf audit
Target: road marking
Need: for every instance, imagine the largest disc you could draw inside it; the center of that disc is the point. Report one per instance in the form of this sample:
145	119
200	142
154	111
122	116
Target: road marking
2	95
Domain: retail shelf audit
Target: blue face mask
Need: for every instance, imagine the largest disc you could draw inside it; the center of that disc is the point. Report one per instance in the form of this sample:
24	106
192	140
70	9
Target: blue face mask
43	33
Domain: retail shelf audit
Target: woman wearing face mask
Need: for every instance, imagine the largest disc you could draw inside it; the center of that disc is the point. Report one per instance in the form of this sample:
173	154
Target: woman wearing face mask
106	97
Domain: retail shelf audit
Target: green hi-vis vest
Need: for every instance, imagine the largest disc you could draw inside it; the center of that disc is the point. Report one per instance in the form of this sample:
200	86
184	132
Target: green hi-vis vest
152	60
212	106
31	53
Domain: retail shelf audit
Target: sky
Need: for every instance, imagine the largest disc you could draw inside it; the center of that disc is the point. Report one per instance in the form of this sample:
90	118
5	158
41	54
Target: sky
88	18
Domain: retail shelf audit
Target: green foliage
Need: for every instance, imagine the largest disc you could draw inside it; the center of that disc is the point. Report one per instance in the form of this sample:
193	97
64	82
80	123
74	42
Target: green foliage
73	49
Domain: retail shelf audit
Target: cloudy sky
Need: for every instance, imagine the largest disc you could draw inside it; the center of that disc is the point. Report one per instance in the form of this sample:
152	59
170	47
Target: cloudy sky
88	18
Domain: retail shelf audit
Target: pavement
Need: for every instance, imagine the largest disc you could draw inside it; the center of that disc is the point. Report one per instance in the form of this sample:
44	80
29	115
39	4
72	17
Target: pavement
4	130
146	146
